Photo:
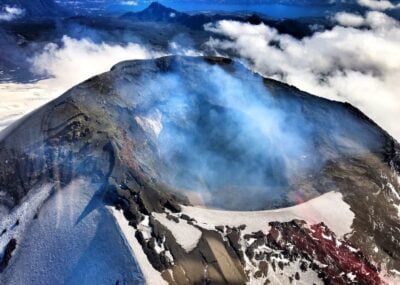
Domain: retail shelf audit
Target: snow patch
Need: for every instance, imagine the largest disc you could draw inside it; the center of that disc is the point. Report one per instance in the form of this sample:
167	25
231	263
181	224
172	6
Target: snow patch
351	276
391	187
394	271
151	123
185	235
328	208
144	228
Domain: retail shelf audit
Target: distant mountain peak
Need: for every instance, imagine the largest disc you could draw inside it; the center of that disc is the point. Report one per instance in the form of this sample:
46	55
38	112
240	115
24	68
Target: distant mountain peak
158	7
157	12
156	4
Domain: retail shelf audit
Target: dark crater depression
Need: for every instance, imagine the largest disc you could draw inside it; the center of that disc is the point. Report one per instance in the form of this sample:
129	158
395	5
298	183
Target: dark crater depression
230	139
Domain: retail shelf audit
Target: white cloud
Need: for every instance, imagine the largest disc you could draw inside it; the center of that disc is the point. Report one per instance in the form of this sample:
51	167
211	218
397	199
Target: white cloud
77	60
9	13
373	19
379	5
66	65
129	3
360	66
349	19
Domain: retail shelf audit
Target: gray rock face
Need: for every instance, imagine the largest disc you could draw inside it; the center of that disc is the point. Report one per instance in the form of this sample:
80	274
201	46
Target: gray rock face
175	131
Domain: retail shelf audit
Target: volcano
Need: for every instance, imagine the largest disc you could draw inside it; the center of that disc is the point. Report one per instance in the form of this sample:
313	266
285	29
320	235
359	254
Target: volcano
189	170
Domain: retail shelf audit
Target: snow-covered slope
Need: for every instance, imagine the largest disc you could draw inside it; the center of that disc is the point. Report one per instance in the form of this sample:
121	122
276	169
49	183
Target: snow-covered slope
70	239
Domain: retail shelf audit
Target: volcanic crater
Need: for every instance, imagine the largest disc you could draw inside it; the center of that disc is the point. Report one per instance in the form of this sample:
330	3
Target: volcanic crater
228	139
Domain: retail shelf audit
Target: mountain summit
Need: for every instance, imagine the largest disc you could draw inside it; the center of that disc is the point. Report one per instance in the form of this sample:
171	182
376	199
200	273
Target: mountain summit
157	12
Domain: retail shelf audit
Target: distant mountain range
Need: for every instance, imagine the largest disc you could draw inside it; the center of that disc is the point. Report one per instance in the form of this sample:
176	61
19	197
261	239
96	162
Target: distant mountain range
51	8
157	12
96	7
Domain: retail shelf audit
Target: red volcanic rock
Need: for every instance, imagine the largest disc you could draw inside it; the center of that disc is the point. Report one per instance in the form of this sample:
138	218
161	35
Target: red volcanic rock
336	261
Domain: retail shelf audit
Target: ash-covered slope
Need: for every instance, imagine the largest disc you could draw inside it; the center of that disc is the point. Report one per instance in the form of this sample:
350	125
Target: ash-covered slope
155	137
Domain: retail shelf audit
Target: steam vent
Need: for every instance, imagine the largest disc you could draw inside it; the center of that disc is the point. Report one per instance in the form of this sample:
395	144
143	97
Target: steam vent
191	170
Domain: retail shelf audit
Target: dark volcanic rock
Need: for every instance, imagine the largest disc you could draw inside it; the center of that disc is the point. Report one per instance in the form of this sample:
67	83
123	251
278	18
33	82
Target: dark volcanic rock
315	248
12	244
233	236
319	244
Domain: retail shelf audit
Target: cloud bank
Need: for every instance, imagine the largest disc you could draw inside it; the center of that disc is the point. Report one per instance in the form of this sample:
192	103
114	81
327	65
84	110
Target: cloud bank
77	60
65	65
9	13
360	66
68	64
349	19
379	5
